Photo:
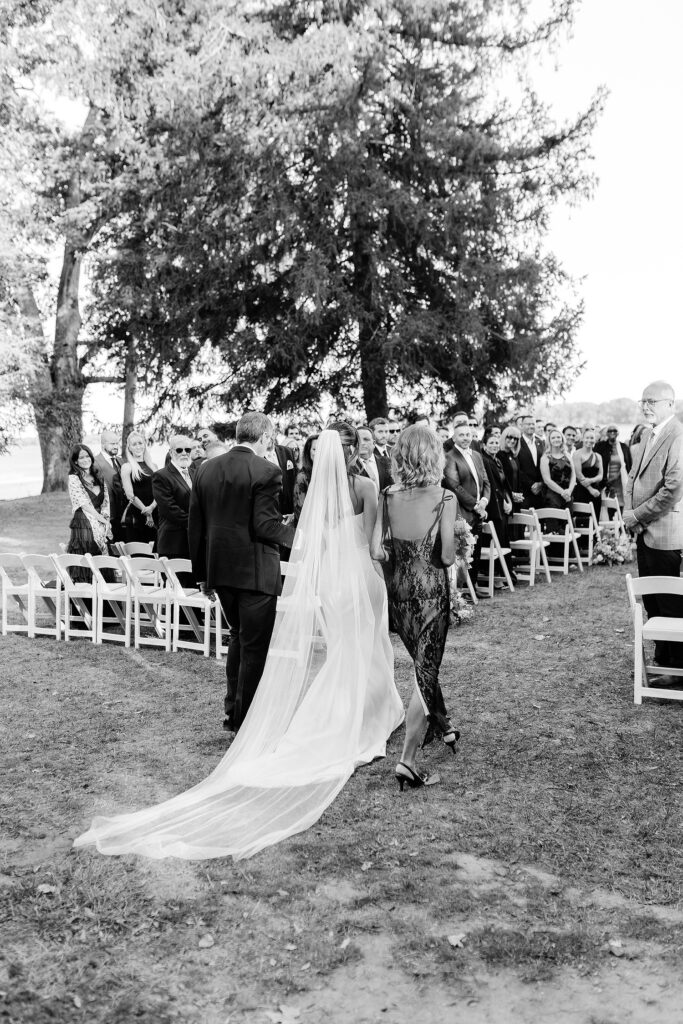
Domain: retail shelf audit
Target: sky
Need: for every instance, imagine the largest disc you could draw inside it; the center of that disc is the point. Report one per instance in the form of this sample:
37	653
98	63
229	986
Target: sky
625	241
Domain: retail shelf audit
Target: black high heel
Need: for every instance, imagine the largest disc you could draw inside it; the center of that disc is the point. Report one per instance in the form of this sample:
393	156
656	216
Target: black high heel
451	738
414	779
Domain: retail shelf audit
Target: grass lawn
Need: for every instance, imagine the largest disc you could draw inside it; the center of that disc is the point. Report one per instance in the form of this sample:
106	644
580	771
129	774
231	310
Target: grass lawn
540	881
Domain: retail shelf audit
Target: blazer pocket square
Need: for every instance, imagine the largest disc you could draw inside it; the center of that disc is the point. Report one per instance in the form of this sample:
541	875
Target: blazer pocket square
290	464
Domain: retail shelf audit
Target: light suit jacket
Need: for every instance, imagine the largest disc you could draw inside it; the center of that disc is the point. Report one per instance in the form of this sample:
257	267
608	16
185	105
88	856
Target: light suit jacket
655	487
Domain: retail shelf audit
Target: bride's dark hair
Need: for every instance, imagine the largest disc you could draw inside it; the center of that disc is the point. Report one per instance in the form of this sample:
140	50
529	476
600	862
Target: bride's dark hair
348	436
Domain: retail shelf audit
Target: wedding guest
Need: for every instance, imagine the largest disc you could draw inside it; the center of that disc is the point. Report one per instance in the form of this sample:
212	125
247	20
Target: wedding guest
510	441
393	431
380	432
589	471
475	443
414	541
303	477
376	467
171	487
294	440
636	437
500	501
285	460
206	436
107	461
90	525
570	435
559	479
616	463
530	452
465	475
215	448
139	518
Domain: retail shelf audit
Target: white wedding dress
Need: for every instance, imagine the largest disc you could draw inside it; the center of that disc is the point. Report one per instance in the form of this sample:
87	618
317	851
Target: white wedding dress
321	708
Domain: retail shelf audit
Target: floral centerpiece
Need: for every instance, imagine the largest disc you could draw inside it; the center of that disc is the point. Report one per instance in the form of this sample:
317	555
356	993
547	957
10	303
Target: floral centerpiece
464	547
611	549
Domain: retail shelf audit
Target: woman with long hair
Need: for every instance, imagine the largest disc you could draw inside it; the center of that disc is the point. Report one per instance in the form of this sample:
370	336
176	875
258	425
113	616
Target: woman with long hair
557	471
90	525
326	701
588	469
500	501
139	518
303	477
414	540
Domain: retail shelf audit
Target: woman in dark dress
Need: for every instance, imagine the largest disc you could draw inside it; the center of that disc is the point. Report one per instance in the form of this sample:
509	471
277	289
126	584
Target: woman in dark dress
303	477
415	542
139	519
90	526
589	471
559	477
500	501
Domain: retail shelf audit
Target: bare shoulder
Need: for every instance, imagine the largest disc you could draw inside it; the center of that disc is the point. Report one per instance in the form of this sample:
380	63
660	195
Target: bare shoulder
364	486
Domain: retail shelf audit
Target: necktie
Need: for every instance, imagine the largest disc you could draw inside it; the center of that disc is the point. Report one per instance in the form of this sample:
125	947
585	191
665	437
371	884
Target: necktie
371	470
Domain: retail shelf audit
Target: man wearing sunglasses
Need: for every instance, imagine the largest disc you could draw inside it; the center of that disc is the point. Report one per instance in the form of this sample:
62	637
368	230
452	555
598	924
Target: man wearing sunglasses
652	510
172	487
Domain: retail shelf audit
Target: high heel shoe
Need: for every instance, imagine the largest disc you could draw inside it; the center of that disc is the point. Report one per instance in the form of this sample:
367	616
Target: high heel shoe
451	738
404	774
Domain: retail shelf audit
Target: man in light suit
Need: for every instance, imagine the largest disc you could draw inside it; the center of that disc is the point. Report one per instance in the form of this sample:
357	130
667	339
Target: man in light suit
465	475
652	510
109	465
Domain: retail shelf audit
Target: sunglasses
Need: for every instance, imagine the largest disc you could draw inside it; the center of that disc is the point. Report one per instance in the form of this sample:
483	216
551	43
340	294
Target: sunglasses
183	451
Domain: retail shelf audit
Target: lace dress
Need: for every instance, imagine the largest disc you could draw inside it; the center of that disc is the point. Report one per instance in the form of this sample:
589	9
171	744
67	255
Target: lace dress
419	605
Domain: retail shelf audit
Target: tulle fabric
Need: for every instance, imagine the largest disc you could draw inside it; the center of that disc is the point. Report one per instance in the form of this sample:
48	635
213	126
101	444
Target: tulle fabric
325	704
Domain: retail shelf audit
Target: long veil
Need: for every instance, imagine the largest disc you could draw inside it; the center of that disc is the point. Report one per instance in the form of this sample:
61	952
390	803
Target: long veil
326	701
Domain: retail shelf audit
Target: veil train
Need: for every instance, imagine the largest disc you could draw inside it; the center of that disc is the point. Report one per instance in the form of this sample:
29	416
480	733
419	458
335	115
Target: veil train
325	704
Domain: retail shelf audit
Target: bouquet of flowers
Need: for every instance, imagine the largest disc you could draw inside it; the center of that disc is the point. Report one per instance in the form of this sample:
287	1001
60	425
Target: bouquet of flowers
460	609
611	549
464	544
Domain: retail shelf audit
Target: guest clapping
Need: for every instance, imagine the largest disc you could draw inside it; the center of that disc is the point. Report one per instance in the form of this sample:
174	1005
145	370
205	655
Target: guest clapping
139	518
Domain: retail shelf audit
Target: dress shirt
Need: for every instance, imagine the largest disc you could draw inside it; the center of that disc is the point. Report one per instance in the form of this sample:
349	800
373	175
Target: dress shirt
467	456
532	448
113	460
370	467
185	473
656	431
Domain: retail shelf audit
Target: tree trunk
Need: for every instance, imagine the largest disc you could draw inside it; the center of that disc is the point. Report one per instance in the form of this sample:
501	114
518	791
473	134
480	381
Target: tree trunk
130	391
373	372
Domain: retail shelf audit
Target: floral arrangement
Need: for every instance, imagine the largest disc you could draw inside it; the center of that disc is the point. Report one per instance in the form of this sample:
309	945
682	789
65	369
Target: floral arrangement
464	544
611	549
460	609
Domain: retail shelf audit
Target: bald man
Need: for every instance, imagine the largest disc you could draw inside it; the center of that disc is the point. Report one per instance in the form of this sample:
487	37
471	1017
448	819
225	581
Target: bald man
172	487
652	510
109	464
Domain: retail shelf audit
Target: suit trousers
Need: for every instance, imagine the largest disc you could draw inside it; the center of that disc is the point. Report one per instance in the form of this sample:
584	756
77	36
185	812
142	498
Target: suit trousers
655	562
251	617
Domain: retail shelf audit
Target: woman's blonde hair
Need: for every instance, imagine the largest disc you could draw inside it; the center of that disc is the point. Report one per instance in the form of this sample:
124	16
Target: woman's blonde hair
417	458
504	436
135	470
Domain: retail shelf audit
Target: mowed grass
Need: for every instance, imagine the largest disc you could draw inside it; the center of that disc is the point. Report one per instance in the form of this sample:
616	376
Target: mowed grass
555	829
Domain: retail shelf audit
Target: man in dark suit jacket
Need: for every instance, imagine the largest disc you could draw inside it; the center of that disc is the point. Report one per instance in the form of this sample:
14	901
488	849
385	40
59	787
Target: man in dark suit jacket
235	531
285	458
529	459
109	465
465	475
376	467
172	487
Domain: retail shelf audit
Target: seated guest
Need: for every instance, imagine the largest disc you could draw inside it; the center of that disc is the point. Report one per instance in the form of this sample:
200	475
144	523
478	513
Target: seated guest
90	525
589	472
616	463
466	477
172	487
139	518
376	467
303	477
500	501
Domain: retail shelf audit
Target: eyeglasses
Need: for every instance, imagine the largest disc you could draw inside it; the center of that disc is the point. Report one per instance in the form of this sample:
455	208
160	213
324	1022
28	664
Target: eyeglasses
183	451
473	423
652	401
513	437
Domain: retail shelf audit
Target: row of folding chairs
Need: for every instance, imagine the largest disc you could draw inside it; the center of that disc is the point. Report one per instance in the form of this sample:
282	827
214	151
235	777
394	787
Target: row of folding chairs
124	599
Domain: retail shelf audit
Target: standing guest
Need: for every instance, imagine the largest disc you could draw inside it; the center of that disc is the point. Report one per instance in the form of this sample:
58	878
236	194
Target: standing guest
414	540
171	487
559	479
588	469
500	503
465	475
616	463
546	434
139	520
90	524
393	430
475	443
380	432
303	477
108	463
206	436
376	467
197	456
652	510
510	441
294	440
539	432
570	435
215	448
444	433
636	437
530	452
234	532
285	460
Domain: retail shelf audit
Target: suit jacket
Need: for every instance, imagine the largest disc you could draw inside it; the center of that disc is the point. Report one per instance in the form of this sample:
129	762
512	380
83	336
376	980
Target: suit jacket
499	487
383	471
236	523
109	474
529	473
172	496
655	487
288	467
458	478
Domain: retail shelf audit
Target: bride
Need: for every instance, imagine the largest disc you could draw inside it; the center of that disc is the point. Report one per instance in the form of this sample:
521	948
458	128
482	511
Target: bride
326	701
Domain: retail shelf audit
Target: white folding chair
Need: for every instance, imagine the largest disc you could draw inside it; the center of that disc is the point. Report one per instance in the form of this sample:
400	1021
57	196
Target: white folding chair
14	589
44	585
565	537
112	593
656	628
615	522
151	594
455	584
80	597
189	601
592	530
493	554
136	549
532	545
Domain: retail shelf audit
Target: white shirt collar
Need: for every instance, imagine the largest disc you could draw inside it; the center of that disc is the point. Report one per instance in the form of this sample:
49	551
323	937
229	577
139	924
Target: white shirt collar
656	431
107	457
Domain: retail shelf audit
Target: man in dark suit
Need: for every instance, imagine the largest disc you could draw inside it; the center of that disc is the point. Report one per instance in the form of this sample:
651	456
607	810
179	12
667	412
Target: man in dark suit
109	465
529	459
465	475
235	531
172	487
380	432
376	467
652	510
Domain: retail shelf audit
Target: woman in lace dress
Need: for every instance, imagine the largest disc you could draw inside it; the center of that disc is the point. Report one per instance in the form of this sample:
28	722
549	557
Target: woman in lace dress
415	542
